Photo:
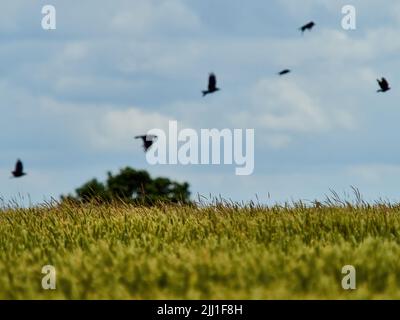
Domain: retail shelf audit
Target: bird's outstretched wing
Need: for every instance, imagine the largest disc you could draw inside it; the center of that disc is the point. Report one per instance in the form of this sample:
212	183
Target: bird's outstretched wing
307	26
385	83
148	141
283	72
212	82
19	167
147	137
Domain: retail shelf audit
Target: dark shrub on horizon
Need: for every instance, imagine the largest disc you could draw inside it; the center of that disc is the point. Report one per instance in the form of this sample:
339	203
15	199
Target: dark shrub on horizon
131	186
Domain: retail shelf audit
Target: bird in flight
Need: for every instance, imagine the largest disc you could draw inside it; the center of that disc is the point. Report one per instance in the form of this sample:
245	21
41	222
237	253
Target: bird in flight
384	85
285	71
307	26
148	141
212	85
19	170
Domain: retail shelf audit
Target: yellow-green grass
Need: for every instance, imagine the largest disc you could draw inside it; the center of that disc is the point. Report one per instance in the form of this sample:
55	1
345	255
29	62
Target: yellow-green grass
216	252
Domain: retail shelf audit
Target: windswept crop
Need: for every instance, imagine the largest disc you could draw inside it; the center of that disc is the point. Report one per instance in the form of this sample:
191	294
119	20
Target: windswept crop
216	252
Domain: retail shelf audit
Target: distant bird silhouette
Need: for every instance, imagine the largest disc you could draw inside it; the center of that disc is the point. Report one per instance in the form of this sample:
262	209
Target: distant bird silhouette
384	85
19	170
212	85
283	72
307	26
148	141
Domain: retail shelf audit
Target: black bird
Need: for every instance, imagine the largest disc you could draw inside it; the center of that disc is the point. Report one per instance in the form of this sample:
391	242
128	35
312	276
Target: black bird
307	26
283	72
384	85
212	85
19	170
148	141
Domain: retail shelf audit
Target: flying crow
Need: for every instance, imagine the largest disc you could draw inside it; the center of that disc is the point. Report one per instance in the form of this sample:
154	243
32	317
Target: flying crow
148	141
212	85
283	72
19	170
384	85
307	26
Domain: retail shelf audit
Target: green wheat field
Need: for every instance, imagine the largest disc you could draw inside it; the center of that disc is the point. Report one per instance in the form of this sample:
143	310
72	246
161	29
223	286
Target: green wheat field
221	251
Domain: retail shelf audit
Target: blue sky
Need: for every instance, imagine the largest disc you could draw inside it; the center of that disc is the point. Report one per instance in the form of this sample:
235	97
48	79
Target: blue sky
73	98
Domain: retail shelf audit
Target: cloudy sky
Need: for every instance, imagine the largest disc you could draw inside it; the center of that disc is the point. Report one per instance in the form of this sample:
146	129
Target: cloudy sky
73	98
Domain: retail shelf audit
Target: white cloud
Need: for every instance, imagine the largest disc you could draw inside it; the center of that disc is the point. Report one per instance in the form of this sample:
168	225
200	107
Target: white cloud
374	173
281	109
283	105
306	7
115	129
277	141
161	57
104	127
74	51
149	16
